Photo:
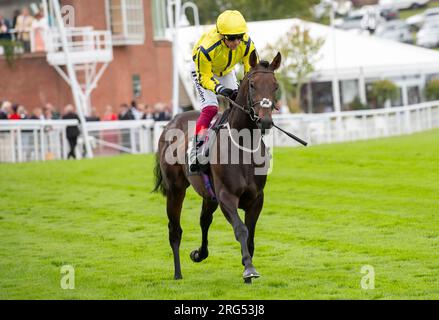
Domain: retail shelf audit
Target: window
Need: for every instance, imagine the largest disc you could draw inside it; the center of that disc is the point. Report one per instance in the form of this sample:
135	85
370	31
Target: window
159	19
350	95
125	19
322	97
137	86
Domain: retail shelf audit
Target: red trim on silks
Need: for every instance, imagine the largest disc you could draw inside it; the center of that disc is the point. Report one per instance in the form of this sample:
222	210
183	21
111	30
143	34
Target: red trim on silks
205	118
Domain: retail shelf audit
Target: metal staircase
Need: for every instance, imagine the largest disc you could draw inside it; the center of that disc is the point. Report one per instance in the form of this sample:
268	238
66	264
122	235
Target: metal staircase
80	55
181	52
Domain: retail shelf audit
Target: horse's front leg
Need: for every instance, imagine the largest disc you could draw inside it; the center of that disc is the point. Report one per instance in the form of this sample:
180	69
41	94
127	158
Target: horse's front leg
229	206
251	218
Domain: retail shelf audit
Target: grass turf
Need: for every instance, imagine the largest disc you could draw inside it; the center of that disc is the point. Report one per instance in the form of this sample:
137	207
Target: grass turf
329	210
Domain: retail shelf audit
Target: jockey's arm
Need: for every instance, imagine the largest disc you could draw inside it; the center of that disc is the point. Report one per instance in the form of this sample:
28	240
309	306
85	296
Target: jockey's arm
204	72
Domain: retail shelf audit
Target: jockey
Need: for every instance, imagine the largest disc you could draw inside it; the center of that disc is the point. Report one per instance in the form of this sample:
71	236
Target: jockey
215	56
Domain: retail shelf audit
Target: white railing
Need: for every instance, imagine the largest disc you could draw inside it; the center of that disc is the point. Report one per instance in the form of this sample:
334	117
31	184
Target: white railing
357	125
85	45
34	140
80	39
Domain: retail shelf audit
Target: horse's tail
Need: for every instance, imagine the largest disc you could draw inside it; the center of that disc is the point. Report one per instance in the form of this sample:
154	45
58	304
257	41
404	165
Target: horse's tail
159	183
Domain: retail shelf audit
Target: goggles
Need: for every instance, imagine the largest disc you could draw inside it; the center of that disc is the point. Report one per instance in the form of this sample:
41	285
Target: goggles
234	37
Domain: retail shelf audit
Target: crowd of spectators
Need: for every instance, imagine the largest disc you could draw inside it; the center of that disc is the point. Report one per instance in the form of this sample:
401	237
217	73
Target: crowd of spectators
26	28
133	111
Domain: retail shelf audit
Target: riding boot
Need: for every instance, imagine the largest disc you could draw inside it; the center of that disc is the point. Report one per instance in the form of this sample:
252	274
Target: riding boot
194	148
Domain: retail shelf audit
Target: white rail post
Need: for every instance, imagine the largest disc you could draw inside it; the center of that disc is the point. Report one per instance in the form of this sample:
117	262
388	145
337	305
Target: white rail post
19	145
174	17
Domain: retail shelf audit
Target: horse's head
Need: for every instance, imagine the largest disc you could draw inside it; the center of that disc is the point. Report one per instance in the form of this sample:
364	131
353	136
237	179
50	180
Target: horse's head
260	86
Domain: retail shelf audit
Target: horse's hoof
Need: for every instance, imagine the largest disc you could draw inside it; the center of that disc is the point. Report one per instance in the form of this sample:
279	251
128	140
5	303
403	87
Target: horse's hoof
249	274
196	256
178	277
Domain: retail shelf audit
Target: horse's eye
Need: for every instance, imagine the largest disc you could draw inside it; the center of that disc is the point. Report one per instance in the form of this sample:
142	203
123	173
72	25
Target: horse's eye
252	85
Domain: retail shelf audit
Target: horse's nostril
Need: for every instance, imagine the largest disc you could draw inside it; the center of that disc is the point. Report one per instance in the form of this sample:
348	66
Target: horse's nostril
266	123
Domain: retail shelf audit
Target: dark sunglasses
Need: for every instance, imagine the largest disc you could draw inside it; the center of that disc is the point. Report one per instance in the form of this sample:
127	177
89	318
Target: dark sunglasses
234	37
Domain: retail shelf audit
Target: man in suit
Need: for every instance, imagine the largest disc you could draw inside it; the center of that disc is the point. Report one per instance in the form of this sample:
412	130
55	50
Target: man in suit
72	132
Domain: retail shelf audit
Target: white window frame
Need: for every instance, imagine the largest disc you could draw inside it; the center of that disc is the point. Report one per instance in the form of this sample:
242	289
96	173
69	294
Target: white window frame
159	19
127	37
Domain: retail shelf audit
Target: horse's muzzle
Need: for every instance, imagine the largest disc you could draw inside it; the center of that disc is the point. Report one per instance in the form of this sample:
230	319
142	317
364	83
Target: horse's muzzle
266	123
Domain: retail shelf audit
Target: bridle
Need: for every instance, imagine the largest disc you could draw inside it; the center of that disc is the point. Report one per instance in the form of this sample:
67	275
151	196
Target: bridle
264	102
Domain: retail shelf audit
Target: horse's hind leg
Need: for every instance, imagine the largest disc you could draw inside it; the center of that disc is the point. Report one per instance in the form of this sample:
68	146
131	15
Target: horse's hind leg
173	207
209	207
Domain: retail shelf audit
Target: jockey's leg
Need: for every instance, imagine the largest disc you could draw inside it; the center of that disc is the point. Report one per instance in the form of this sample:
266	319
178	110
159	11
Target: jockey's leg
209	108
204	120
201	127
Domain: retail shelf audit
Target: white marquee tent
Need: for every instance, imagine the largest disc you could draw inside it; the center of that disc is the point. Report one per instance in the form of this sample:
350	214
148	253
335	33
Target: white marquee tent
359	59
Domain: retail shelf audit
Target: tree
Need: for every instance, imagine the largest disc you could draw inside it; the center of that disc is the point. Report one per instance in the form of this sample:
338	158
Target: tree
299	51
11	50
383	91
432	90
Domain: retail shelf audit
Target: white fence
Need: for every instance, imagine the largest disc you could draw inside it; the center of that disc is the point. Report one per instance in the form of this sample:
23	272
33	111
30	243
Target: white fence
357	125
34	140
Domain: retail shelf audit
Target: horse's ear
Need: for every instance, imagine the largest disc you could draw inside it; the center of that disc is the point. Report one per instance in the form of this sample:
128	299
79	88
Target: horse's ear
253	59
275	64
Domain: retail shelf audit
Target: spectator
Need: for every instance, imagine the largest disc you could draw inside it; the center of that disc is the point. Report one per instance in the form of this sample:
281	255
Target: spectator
109	115
125	113
149	113
111	136
22	112
14	115
5	29
140	111
23	28
5	110
93	115
160	113
134	108
39	26
72	132
37	114
50	113
168	112
14	19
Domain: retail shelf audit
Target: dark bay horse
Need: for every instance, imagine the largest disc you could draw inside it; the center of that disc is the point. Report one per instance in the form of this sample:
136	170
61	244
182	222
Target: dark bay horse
235	184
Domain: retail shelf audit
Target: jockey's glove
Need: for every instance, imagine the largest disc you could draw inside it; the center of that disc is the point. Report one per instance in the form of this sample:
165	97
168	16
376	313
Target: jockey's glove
226	92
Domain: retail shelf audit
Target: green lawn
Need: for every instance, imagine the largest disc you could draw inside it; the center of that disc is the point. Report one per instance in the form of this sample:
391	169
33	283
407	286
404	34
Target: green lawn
329	211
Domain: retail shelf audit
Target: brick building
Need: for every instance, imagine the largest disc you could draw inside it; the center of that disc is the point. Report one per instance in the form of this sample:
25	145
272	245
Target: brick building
141	68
